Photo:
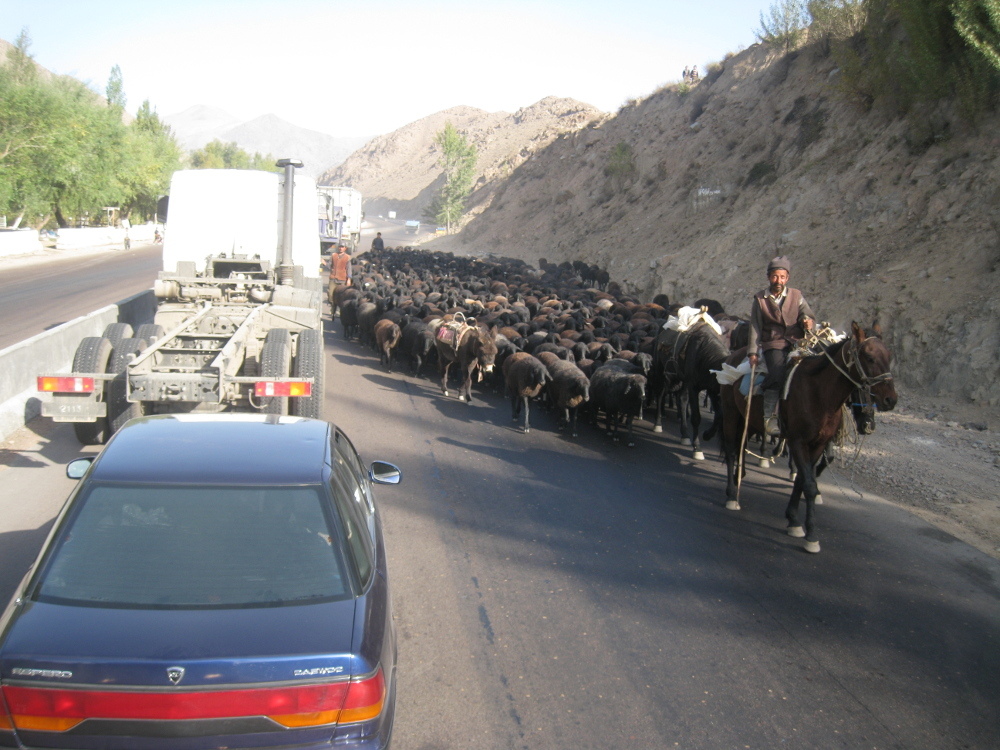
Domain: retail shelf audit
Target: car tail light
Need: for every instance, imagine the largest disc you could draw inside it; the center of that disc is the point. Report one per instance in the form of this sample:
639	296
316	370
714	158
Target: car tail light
58	710
65	385
290	388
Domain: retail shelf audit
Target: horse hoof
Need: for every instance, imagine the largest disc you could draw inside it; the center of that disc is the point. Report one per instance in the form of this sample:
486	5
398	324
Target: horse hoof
791	476
658	428
526	430
446	393
764	463
732	505
698	456
685	441
812	547
796	531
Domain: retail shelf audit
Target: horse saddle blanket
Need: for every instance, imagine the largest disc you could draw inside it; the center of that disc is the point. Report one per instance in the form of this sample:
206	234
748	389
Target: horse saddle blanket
450	334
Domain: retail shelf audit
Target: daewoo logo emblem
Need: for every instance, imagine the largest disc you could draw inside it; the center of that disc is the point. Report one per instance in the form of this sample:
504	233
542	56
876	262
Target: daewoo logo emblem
175	674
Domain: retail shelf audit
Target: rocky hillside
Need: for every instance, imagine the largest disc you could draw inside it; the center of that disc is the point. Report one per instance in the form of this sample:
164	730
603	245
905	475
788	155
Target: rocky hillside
399	171
884	218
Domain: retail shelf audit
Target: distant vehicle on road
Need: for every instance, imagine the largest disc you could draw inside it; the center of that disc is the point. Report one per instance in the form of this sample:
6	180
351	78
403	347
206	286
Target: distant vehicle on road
413	226
215	580
340	216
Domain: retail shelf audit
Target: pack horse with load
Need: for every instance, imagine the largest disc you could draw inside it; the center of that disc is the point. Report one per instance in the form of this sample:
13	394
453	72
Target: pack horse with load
238	322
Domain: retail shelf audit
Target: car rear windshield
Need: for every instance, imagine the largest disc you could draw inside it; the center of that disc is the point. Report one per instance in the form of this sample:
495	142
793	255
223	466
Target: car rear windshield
183	547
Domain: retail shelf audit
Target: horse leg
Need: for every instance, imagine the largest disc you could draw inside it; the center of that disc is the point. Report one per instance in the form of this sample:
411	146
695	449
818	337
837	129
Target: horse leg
658	420
465	390
683	404
444	367
805	484
696	453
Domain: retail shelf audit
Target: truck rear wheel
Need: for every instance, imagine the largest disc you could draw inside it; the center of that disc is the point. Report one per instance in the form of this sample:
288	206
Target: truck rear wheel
92	355
274	362
115	332
309	363
120	409
150	332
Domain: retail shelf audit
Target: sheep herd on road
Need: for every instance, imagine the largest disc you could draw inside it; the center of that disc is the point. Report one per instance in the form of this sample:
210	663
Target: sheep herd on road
562	334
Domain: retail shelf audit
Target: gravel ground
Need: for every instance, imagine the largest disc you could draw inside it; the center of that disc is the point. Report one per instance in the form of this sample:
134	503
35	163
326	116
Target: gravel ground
939	460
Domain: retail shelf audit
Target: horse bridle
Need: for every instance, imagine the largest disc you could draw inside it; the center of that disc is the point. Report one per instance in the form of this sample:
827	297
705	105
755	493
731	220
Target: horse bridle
851	359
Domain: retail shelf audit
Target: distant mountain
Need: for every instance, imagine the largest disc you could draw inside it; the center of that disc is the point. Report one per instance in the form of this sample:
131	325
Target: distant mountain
267	134
399	171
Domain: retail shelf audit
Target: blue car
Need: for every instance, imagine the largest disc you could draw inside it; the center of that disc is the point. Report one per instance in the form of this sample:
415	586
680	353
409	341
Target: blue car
214	581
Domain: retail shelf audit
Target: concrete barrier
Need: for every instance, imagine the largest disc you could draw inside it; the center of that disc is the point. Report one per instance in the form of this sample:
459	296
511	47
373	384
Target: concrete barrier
52	352
73	238
19	242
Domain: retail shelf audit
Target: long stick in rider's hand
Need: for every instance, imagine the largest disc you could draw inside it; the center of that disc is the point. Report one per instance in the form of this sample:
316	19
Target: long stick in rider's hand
746	429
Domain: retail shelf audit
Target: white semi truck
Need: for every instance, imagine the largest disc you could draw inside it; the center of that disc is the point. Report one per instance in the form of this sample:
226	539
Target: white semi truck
340	217
238	324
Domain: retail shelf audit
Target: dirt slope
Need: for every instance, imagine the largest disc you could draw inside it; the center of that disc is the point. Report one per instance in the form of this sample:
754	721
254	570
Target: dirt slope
891	219
398	171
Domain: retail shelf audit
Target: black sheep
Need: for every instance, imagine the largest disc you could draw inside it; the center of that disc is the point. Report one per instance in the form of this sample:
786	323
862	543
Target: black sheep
618	393
525	377
568	389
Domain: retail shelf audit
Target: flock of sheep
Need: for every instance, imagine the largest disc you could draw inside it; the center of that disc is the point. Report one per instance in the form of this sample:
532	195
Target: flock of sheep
554	333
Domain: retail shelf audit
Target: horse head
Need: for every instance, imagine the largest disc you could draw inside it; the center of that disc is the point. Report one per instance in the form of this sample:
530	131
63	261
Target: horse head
871	364
486	348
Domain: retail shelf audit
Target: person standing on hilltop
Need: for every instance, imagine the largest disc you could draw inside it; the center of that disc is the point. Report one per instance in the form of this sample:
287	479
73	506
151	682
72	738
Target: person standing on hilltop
378	245
780	317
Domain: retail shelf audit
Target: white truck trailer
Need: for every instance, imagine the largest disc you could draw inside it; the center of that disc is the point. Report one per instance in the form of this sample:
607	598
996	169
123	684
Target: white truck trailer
238	324
340	217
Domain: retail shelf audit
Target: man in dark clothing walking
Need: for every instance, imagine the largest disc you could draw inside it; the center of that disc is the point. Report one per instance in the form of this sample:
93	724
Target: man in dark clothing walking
377	244
780	317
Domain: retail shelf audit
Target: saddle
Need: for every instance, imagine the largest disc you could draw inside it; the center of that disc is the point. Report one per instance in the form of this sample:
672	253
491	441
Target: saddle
451	332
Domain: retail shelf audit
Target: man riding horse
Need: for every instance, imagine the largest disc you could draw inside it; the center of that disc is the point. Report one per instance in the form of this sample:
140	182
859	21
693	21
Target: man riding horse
780	317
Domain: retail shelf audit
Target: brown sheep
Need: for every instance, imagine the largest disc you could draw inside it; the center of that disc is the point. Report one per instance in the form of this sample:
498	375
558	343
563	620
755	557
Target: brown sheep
387	335
525	376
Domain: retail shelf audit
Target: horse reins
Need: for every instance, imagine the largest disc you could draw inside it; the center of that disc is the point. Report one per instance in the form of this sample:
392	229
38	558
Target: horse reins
851	359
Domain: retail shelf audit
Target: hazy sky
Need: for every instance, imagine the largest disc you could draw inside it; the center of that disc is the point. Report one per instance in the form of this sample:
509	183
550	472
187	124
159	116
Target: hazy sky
367	67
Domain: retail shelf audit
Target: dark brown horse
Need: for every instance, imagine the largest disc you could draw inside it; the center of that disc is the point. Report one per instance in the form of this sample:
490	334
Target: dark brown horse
810	415
476	349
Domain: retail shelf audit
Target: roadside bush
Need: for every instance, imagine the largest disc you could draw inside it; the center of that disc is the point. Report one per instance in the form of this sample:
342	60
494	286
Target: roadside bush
621	165
762	173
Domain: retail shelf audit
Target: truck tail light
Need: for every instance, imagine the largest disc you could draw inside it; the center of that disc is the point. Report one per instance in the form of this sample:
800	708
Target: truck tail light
48	384
58	710
291	388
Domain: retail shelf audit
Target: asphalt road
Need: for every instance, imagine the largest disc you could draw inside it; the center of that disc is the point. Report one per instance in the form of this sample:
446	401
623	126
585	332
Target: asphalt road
41	295
561	593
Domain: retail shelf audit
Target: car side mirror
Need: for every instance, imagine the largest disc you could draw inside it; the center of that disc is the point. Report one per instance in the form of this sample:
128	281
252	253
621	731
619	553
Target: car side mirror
78	466
382	472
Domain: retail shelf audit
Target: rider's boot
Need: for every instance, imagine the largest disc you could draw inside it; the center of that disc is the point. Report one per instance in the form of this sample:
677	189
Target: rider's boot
771	426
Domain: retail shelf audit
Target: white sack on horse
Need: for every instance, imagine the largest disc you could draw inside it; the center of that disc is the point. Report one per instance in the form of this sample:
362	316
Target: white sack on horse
688	317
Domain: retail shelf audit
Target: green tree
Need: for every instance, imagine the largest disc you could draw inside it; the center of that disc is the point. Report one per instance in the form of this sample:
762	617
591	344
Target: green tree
65	153
978	22
219	155
785	25
19	60
918	52
153	156
837	19
621	167
115	90
458	162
